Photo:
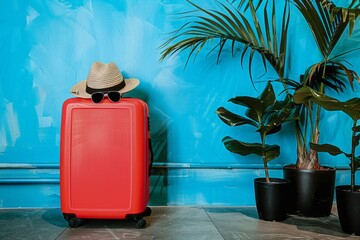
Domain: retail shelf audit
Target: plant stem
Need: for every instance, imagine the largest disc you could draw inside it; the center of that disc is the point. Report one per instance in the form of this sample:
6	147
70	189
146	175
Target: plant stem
310	118
317	119
265	159
266	170
353	146
301	148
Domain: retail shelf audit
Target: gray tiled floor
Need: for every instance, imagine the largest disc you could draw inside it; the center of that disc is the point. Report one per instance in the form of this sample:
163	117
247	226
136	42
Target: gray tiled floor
183	223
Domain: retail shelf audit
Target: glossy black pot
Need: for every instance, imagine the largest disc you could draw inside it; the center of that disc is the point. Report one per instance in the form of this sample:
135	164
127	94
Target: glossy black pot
271	198
348	207
311	191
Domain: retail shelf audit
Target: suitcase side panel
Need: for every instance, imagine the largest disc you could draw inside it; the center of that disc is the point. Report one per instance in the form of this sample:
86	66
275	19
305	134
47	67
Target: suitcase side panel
105	176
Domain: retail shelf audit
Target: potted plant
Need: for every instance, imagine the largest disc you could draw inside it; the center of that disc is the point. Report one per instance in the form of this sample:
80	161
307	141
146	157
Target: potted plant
267	115
347	196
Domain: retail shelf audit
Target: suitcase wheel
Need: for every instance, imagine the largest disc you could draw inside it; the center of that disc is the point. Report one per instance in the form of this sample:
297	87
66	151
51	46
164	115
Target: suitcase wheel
141	223
73	221
147	211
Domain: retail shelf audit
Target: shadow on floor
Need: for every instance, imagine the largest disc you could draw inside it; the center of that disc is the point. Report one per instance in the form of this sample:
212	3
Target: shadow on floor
250	212
54	217
322	225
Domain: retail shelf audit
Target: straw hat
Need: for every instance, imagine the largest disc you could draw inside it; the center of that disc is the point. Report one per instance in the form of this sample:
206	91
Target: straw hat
103	78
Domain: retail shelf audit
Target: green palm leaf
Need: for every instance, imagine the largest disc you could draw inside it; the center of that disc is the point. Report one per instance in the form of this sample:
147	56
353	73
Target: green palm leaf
327	22
245	4
230	25
330	73
351	12
326	31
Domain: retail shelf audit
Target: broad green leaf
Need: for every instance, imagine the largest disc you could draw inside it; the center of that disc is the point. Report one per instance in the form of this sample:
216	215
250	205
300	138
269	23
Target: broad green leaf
233	119
272	129
350	107
286	103
277	114
268	97
331	149
269	152
254	104
250	113
283	113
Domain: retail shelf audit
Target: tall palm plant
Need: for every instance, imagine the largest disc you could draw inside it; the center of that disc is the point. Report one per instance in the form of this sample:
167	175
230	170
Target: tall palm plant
327	23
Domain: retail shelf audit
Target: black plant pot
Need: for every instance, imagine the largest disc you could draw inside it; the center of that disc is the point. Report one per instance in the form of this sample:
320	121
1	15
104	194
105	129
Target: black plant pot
271	199
311	191
348	207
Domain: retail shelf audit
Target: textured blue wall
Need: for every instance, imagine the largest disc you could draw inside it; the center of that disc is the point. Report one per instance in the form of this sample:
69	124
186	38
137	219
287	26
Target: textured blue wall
48	46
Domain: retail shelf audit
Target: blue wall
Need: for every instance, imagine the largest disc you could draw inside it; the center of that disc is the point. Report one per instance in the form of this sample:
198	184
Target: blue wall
48	46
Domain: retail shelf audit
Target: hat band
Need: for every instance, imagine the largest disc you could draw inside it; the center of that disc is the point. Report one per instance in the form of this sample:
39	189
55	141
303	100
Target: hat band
117	87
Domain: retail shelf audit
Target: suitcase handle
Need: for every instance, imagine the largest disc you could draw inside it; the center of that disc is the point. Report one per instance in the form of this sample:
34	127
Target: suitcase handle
150	149
151	156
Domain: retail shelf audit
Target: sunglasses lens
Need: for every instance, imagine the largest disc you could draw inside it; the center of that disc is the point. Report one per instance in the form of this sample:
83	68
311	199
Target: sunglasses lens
97	97
114	96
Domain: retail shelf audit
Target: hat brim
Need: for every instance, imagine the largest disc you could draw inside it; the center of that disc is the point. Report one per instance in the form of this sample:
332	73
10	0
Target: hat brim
79	89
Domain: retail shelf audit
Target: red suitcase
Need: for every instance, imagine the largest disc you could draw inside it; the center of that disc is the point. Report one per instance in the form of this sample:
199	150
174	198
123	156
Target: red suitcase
104	160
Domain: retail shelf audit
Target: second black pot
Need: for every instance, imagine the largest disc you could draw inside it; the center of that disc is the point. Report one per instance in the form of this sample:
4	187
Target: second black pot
271	199
348	206
311	191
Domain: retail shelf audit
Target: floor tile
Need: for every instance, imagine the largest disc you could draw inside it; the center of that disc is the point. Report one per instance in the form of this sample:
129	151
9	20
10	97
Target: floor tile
243	223
31	224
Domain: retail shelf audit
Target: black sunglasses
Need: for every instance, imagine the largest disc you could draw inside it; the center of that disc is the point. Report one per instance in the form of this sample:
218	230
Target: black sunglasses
97	97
